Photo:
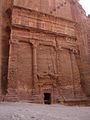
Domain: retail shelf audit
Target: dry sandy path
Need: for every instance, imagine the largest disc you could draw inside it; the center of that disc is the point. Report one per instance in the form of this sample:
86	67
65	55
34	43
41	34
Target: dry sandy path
28	111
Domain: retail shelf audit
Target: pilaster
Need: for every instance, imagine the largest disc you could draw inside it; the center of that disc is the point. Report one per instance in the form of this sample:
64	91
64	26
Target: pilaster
77	88
1	3
0	91
12	72
35	66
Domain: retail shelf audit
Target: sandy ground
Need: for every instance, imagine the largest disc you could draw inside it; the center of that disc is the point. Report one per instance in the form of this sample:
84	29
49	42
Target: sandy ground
28	111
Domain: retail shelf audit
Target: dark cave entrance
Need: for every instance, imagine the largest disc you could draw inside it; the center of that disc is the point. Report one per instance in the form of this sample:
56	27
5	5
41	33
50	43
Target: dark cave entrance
47	98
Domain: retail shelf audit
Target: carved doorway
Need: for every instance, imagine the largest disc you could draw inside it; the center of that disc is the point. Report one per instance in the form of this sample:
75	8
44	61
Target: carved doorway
47	98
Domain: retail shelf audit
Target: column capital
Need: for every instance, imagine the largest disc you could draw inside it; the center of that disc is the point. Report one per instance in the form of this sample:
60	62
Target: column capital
34	43
13	41
74	51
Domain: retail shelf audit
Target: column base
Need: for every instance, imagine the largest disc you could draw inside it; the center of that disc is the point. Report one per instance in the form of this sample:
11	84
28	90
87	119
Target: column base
68	100
36	97
73	102
11	96
1	97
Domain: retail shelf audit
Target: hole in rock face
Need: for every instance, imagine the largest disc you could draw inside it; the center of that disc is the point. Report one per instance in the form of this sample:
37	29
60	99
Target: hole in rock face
47	98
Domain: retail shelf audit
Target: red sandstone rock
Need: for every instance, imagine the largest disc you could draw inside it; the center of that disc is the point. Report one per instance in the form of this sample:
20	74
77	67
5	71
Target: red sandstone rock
44	51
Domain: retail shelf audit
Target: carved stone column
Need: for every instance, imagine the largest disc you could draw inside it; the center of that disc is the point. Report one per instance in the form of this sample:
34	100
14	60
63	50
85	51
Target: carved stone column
58	52
77	89
12	71
57	59
76	73
35	66
0	91
73	72
0	44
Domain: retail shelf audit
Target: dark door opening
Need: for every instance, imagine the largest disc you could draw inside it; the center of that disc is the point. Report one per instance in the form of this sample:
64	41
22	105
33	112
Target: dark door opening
47	98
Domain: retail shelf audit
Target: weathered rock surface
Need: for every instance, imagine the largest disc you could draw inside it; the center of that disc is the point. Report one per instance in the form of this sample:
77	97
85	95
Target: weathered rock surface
44	51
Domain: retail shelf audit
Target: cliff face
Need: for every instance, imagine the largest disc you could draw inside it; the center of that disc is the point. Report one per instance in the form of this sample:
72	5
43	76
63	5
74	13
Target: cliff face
5	21
59	8
0	40
88	58
49	50
82	32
